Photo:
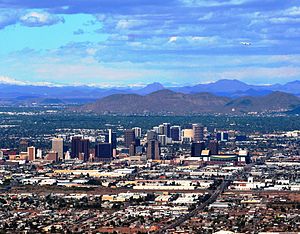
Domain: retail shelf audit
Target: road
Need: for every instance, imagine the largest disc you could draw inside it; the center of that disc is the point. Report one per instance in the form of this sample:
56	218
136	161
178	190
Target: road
226	182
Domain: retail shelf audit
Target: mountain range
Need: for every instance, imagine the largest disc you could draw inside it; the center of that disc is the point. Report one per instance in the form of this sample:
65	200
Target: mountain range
12	94
175	103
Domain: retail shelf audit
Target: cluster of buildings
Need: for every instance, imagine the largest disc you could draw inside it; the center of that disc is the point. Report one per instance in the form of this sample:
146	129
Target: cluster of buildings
154	144
142	181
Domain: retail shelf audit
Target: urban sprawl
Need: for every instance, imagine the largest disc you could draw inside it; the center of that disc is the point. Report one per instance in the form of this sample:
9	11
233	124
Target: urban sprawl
168	179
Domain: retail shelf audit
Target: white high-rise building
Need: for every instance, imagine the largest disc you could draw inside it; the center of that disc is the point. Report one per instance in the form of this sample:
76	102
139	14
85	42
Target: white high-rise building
39	153
138	132
156	129
58	146
162	139
67	156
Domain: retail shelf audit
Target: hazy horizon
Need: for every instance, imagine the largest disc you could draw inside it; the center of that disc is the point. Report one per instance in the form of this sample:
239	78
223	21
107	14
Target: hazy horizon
9	81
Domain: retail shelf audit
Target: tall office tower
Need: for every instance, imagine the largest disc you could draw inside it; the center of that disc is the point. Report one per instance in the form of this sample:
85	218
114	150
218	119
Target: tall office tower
111	138
175	133
162	139
153	150
137	142
129	137
222	136
23	145
161	129
80	146
187	135
137	132
151	135
132	149
84	148
198	132
39	153
31	153
52	156
103	152
58	146
167	129
213	147
156	129
75	146
196	149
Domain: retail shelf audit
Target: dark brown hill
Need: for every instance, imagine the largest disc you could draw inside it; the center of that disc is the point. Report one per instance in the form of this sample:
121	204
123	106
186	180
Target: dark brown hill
160	102
269	103
170	102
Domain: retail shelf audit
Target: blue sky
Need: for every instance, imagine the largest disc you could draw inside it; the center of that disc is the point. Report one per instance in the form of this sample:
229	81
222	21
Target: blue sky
135	42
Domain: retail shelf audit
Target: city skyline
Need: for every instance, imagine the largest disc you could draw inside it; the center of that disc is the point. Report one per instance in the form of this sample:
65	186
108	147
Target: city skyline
123	43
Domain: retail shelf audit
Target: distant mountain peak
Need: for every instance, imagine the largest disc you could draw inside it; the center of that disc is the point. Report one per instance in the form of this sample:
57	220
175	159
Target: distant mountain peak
229	81
163	92
293	82
150	88
280	94
23	93
155	85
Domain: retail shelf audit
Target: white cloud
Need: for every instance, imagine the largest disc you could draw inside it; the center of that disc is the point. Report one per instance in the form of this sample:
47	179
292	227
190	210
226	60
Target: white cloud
284	20
128	23
268	73
9	80
293	11
172	39
213	3
206	17
37	19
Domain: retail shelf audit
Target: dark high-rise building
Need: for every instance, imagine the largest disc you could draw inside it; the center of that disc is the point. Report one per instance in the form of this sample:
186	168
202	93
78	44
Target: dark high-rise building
198	132
151	135
84	148
167	129
175	133
196	149
111	137
80	146
213	147
139	150
132	149
137	142
103	151
133	146
153	150
129	137
106	140
75	146
23	145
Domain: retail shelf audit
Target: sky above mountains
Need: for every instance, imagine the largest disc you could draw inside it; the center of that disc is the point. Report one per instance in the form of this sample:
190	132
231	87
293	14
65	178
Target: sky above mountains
133	42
